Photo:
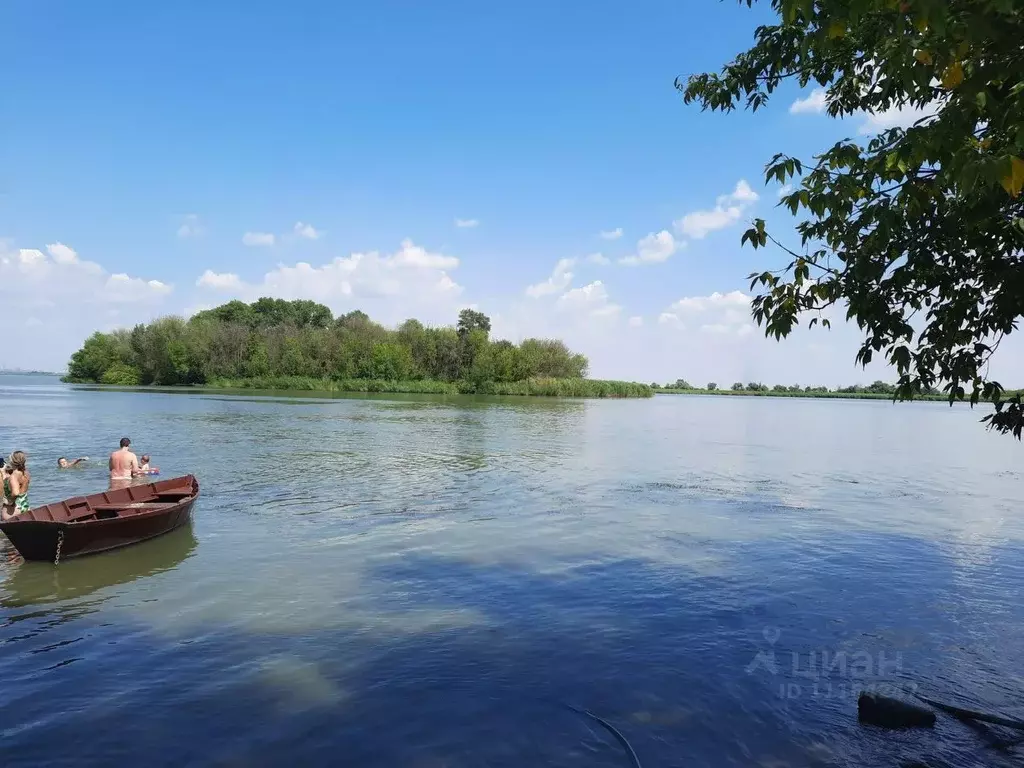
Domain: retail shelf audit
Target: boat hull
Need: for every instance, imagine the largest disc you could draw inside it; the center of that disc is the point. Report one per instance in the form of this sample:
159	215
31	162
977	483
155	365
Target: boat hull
38	539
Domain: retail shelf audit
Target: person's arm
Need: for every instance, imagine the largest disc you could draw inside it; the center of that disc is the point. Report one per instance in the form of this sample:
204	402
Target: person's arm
77	461
135	466
110	463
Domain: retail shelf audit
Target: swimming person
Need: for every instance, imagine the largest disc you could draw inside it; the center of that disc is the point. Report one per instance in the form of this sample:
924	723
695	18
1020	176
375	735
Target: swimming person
63	463
145	468
16	483
123	464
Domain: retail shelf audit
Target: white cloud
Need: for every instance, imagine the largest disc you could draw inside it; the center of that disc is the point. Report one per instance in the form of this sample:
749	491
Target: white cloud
257	239
813	103
653	249
598	258
467	223
411	282
190	226
727	211
716	300
64	298
307	231
62	254
560	279
896	117
785	189
589	300
221	281
636	321
718	314
612	234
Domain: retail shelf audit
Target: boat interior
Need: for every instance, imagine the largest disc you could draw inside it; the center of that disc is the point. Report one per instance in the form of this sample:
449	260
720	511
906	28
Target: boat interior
122	502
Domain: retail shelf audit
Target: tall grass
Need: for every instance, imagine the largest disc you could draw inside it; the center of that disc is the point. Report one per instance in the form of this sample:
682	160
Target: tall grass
538	387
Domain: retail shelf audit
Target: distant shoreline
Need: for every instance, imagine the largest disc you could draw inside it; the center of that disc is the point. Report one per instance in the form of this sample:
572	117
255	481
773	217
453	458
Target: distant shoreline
30	373
820	395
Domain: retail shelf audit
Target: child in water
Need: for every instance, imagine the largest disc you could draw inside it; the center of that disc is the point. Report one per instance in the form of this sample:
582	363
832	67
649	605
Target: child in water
145	468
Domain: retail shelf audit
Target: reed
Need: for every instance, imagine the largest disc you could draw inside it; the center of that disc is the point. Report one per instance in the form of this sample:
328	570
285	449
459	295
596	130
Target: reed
535	387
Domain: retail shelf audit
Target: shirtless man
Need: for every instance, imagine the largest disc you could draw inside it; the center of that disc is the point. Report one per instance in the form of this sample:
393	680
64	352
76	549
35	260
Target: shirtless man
123	464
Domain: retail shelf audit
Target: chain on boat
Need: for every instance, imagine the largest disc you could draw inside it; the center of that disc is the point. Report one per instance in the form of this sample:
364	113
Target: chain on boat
60	543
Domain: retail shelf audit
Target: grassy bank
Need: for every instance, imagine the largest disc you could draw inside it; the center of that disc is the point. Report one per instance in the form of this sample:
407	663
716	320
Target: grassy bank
537	387
769	393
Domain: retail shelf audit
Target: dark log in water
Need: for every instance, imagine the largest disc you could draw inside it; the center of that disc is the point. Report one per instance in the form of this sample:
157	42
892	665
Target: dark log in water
970	714
886	712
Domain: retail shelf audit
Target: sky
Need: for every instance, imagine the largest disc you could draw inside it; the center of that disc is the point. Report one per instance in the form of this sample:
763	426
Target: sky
531	160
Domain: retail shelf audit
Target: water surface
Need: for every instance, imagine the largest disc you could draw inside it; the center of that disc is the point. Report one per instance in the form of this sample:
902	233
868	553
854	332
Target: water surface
422	581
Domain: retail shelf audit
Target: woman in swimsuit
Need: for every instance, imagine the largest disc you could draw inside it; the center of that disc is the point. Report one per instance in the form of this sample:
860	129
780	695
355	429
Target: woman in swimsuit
16	484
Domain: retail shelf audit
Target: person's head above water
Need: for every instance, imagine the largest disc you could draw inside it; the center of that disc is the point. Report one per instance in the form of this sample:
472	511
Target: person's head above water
145	458
125	442
62	462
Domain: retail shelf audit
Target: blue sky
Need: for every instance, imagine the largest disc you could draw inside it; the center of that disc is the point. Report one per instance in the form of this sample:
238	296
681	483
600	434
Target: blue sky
160	158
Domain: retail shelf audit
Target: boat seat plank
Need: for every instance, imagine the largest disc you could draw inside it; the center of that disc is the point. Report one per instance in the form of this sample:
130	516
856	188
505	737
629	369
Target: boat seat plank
132	505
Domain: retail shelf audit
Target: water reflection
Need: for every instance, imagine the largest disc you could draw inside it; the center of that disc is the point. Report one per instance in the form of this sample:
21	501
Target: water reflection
39	583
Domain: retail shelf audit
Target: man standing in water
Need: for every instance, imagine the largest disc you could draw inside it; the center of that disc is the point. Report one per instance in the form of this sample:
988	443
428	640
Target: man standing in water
123	464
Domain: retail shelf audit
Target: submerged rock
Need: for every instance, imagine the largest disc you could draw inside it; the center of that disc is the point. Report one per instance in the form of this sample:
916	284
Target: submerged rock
887	712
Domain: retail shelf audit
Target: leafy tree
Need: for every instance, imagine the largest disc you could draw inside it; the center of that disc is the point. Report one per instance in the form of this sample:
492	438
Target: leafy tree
681	384
712	387
471	320
273	337
121	375
755	386
918	230
737	386
353	320
780	388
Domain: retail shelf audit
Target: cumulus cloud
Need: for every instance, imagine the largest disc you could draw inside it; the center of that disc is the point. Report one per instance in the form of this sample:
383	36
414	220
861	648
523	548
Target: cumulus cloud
718	313
257	239
392	285
190	226
307	231
62	254
896	117
591	300
611	234
814	103
727	211
64	298
598	258
560	279
221	281
467	223
653	249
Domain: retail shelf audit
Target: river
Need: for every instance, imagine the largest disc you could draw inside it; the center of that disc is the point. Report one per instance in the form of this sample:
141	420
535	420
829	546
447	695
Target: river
428	582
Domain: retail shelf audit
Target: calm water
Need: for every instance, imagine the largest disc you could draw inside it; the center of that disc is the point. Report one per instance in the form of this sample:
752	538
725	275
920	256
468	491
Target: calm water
420	582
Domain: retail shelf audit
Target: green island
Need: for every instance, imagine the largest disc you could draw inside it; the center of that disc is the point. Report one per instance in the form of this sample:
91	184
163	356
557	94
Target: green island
274	344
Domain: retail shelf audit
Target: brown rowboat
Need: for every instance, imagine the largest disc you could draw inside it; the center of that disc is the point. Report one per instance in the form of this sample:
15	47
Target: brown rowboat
85	525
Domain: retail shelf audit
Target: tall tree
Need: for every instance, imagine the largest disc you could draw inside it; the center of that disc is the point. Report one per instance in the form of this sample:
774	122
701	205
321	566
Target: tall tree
471	320
919	231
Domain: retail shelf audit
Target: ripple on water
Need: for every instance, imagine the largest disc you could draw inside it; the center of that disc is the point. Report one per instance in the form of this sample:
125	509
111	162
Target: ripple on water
413	582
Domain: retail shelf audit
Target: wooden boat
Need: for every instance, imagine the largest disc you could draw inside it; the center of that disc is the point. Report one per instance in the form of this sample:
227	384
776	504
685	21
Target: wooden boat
85	525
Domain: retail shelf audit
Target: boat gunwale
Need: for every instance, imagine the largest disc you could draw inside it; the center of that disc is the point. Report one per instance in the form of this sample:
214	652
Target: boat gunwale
174	506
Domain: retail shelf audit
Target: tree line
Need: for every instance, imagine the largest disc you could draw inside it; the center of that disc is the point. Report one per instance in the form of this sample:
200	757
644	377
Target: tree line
278	338
876	388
